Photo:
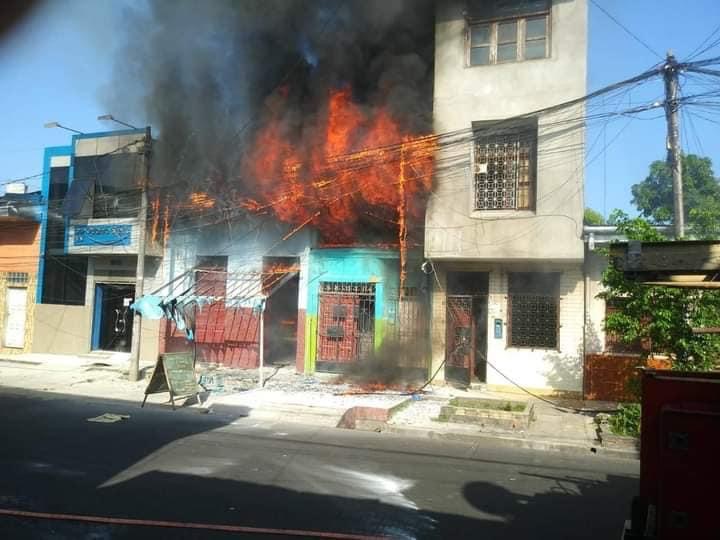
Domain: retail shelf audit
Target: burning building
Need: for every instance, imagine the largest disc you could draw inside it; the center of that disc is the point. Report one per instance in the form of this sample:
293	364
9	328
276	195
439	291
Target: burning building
305	129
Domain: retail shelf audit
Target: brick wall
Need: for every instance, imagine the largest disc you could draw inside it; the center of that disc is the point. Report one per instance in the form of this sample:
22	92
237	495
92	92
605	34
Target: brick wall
610	377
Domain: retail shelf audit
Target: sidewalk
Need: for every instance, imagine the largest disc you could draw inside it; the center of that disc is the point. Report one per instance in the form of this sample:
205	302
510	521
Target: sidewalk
319	400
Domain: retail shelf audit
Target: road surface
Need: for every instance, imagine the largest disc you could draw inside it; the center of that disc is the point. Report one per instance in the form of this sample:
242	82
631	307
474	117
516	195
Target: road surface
277	479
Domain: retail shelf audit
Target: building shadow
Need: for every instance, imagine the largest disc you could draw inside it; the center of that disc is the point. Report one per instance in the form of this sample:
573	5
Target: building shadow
574	508
147	468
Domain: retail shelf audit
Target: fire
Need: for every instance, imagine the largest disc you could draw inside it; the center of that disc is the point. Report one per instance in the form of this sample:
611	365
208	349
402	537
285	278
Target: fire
200	199
155	218
352	163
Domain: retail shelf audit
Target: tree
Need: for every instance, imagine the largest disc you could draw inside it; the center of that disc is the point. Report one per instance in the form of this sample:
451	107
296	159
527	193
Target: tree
661	316
653	197
593	217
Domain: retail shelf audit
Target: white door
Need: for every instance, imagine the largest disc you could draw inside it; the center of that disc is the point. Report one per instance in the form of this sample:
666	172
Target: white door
15	307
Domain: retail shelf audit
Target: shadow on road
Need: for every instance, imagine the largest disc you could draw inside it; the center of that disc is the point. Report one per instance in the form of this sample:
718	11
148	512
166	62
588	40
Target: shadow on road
159	465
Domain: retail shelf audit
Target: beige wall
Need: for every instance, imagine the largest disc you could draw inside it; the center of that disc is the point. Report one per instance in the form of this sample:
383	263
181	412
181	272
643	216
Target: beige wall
62	329
533	368
480	93
595	263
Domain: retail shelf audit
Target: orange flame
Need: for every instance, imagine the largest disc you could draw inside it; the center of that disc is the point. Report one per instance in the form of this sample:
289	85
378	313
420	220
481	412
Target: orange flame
352	163
200	199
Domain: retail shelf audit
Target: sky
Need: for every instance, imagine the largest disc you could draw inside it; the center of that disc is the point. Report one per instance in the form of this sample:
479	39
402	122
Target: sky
57	65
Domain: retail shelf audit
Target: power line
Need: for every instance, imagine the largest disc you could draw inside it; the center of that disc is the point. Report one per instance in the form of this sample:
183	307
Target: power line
697	51
626	29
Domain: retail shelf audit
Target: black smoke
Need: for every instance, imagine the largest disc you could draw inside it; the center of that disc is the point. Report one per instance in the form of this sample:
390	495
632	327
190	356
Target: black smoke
203	73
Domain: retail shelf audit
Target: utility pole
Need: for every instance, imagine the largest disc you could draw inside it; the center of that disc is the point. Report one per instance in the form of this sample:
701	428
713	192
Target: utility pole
134	371
674	157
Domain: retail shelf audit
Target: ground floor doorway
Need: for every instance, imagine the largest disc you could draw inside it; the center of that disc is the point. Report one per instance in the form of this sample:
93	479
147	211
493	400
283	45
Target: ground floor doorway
280	331
346	324
112	317
15	315
466	328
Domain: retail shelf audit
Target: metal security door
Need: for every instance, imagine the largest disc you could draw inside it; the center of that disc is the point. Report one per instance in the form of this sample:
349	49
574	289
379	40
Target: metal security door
346	324
15	310
459	341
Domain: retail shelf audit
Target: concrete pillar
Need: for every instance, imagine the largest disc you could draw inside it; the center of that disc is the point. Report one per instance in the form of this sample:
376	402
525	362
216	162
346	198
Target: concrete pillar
437	322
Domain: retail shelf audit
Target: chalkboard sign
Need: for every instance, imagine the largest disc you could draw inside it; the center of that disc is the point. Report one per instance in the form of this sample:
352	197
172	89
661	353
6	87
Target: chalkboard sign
174	373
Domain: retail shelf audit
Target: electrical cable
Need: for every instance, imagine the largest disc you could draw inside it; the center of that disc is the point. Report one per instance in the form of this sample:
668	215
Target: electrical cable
626	29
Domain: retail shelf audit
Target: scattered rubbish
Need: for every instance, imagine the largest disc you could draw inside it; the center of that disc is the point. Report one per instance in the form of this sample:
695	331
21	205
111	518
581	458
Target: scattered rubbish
109	418
213	383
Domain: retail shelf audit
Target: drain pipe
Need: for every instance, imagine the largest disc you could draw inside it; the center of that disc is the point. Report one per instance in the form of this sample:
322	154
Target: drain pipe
261	376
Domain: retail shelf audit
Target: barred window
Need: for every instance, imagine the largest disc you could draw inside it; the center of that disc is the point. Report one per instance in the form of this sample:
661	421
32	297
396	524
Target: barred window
534	310
17	278
505	169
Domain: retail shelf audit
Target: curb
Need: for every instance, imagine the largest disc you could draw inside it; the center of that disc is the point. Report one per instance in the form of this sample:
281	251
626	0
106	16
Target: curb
575	449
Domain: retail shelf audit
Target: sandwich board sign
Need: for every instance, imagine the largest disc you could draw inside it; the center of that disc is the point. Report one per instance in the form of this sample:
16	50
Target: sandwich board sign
173	373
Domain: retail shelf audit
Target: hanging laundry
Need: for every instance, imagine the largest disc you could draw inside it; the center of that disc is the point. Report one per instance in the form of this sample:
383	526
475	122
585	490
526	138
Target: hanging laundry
149	307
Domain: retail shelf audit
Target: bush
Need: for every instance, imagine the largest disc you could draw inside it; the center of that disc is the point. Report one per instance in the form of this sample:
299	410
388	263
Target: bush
627	420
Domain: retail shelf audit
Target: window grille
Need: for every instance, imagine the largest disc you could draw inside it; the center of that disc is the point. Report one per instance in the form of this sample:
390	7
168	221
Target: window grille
17	278
505	171
534	310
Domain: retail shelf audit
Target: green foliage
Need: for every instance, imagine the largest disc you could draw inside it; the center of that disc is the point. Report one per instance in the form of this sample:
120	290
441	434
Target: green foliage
627	420
653	196
661	316
593	217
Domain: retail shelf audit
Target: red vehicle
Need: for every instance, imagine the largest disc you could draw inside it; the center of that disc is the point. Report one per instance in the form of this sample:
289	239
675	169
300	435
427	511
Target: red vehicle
680	448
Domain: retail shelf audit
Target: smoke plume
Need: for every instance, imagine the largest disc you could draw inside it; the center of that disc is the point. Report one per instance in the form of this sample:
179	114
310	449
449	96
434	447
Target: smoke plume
208	76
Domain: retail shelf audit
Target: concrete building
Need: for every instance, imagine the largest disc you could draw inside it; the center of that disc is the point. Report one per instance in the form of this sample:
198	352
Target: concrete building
88	246
504	223
19	254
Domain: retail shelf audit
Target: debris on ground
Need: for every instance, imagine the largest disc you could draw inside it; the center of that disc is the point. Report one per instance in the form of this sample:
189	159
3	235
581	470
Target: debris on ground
109	418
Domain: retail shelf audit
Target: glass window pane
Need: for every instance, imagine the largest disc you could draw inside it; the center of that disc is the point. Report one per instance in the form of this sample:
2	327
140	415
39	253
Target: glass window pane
507	32
535	49
479	56
480	35
507	53
535	28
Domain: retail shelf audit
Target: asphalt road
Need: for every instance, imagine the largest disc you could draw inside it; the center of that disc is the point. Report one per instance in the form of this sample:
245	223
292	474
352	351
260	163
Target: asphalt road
227	468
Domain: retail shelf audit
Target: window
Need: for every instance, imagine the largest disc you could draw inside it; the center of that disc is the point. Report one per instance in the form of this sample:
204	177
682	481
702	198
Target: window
509	39
533	310
211	276
505	167
17	279
114	181
64	280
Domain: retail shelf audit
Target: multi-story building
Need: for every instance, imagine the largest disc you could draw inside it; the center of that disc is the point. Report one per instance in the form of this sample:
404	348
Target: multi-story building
88	246
504	224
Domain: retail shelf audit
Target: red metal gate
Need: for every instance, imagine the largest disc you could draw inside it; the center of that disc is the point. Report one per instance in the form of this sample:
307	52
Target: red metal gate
459	339
346	324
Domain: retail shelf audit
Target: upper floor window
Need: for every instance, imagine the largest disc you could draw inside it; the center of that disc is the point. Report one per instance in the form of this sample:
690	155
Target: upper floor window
509	40
505	166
